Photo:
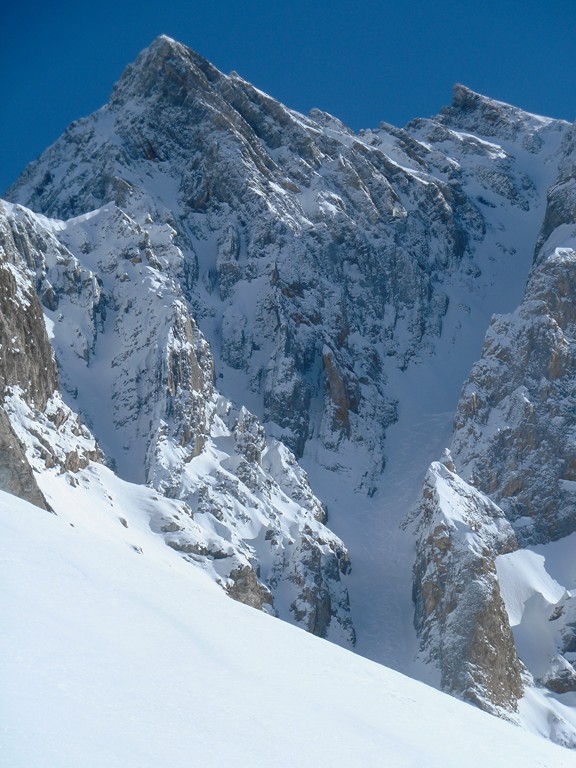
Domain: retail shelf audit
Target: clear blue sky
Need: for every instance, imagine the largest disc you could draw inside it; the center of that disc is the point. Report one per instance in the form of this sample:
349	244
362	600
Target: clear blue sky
363	61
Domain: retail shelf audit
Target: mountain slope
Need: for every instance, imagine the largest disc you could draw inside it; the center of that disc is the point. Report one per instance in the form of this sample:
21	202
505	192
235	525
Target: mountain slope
135	367
117	652
227	281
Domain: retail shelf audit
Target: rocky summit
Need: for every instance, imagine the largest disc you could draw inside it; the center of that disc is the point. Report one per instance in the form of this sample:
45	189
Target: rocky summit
271	328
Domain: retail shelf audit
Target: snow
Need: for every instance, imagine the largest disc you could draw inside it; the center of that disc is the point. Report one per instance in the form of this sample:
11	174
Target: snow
491	279
115	652
532	581
521	575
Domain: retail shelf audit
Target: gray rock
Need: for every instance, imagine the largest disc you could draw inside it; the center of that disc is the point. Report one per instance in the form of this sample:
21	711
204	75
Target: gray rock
26	357
16	474
459	613
515	420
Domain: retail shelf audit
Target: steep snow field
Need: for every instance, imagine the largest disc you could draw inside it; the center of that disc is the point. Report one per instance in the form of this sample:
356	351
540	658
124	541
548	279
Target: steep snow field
116	652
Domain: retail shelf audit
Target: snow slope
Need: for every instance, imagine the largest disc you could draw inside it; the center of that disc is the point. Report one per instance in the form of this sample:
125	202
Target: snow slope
118	653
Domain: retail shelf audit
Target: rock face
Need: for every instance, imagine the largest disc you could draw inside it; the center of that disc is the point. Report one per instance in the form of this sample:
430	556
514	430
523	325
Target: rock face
514	427
251	516
560	677
16	476
459	614
26	357
514	432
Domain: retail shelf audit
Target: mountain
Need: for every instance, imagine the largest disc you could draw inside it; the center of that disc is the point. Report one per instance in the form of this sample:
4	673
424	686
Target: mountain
263	323
138	369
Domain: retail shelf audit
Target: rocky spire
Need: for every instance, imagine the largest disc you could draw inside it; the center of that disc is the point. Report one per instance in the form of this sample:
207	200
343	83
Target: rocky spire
165	70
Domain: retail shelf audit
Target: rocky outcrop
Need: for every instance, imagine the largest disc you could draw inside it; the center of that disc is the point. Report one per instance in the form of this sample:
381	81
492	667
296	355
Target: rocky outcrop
483	116
54	439
459	614
560	677
16	475
245	588
26	357
141	374
515	421
252	513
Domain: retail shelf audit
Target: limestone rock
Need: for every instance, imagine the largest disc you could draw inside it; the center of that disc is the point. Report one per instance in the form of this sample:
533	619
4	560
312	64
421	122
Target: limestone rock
459	613
26	357
339	245
515	420
245	588
215	249
16	475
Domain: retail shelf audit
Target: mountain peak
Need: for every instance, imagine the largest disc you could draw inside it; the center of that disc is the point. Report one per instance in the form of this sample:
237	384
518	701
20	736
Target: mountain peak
166	67
480	114
467	101
464	98
165	40
163	46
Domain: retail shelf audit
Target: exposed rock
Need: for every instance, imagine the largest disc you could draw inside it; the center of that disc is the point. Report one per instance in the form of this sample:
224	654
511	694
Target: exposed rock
273	550
119	315
255	254
560	674
317	605
53	438
459	614
249	437
26	357
334	242
340	393
16	475
560	677
516	417
481	115
246	588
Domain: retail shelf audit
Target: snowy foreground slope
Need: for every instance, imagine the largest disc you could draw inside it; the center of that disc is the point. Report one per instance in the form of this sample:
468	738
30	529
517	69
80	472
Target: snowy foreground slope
115	652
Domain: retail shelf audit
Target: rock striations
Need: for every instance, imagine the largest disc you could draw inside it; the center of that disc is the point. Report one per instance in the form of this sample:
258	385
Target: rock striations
314	259
514	427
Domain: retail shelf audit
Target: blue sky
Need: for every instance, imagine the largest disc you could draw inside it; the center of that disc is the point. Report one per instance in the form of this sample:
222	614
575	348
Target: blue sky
362	61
